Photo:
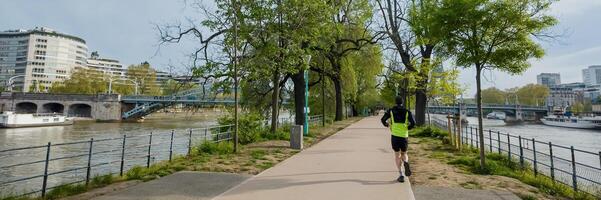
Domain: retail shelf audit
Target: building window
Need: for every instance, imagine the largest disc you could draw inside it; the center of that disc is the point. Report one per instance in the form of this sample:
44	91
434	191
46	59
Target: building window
42	40
61	71
43	46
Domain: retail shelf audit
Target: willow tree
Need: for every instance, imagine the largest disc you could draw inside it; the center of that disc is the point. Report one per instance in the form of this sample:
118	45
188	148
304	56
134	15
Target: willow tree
496	35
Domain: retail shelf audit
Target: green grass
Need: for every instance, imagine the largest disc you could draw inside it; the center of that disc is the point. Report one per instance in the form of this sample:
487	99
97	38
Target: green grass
216	148
496	164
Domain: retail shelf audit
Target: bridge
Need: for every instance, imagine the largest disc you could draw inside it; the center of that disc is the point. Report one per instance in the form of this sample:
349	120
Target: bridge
513	112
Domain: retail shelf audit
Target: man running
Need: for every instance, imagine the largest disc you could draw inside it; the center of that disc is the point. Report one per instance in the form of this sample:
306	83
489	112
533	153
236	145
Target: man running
399	117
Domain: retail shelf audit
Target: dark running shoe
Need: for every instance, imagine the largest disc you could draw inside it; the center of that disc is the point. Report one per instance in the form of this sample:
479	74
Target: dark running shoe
407	169
401	179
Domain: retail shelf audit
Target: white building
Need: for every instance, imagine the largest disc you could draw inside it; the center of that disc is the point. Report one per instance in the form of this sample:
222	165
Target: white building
38	57
565	95
592	75
548	79
106	66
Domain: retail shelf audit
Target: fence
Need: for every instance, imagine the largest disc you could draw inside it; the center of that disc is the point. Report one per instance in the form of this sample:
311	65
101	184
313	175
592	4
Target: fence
56	164
563	164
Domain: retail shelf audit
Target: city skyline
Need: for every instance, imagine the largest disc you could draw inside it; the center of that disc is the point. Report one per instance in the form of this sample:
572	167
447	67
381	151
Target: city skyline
129	35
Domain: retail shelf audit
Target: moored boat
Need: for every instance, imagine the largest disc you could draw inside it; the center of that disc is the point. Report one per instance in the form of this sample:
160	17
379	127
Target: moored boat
9	119
573	122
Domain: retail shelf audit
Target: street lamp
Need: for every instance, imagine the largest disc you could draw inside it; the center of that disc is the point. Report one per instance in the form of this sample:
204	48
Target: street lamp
307	60
10	81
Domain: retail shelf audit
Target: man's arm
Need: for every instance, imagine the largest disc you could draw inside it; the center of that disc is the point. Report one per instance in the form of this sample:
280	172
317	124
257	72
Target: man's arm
385	118
411	121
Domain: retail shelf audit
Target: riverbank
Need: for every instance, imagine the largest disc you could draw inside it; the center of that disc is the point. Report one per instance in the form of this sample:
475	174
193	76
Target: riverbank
252	159
436	163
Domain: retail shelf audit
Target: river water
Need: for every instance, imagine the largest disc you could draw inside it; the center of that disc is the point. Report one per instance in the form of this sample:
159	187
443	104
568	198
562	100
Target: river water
107	153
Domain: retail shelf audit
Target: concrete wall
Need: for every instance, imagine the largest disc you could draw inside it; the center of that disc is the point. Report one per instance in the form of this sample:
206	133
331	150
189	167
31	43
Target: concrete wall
101	107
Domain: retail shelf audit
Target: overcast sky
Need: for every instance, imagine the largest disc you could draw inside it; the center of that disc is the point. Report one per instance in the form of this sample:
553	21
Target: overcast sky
125	30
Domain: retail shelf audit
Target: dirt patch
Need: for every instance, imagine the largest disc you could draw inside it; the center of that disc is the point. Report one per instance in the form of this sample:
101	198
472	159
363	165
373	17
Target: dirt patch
430	169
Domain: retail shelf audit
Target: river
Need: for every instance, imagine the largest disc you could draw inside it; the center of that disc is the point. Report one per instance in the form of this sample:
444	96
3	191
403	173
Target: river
160	125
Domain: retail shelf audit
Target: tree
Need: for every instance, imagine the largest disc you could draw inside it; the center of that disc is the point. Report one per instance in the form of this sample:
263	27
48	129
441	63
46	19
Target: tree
493	96
489	34
145	77
532	94
82	81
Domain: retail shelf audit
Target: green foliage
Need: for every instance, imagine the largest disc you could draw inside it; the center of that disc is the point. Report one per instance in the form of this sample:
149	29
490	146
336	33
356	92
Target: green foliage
250	126
216	148
493	96
428	131
66	190
145	76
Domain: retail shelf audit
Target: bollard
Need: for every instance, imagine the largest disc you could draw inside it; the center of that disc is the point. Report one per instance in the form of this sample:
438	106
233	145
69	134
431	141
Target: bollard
521	151
171	147
574	183
551	159
296	137
122	156
534	156
89	161
45	181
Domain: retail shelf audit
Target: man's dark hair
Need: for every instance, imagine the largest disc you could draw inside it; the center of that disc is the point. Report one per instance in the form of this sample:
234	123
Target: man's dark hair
398	100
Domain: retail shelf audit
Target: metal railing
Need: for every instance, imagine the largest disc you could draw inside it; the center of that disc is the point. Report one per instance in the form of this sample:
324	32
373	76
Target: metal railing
56	164
576	168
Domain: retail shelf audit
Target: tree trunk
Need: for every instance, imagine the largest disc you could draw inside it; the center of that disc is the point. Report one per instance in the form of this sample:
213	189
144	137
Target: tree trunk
420	106
274	101
480	126
299	97
338	91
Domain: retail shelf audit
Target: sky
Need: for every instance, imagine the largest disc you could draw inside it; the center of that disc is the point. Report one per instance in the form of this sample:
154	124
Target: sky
125	30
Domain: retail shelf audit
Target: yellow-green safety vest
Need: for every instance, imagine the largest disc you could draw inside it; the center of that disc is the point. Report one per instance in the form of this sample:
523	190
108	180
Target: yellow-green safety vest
399	129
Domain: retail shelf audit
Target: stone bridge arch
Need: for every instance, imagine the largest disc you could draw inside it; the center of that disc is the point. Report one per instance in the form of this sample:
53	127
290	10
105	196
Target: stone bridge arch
53	107
80	110
26	107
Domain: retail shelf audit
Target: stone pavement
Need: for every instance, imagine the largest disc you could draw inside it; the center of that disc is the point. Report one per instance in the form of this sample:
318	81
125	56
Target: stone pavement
355	163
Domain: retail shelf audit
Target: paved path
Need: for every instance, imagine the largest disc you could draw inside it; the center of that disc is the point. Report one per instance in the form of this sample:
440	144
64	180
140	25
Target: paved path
181	186
355	163
442	193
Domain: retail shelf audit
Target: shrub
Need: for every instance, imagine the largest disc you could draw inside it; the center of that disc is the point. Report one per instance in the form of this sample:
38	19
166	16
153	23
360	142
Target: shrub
250	127
216	148
428	131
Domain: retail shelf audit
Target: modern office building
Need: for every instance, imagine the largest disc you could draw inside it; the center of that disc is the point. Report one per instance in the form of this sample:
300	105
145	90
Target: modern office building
109	67
548	79
592	75
34	59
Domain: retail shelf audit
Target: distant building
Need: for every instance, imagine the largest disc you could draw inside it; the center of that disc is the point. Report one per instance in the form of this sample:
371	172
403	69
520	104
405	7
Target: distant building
106	66
39	57
162	77
548	79
565	95
592	75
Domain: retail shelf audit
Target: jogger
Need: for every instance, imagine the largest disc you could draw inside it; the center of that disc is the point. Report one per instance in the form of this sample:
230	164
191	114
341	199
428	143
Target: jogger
401	122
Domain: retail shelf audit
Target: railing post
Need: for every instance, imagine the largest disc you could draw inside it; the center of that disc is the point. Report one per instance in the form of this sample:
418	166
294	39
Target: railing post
599	158
477	135
574	182
89	161
534	156
490	140
206	130
190	142
521	152
171	147
499	141
551	159
148	156
45	181
472	136
122	156
508	147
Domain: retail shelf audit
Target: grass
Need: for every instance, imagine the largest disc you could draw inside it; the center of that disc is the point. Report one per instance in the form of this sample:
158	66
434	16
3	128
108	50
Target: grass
496	164
207	156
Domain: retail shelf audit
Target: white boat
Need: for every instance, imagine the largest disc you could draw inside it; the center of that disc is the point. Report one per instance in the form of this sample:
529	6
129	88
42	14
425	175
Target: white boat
9	119
573	122
496	115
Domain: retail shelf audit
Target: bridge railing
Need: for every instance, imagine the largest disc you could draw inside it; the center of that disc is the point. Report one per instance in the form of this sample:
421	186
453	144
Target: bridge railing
56	164
577	168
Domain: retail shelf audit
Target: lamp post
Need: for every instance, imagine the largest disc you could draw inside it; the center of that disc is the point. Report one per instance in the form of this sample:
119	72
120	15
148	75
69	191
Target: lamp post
307	60
10	81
